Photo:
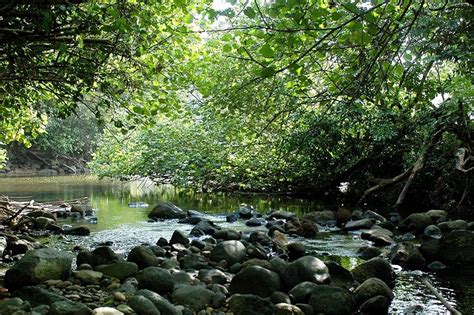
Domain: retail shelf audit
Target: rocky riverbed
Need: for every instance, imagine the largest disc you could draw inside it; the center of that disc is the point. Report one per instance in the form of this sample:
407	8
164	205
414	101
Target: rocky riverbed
216	270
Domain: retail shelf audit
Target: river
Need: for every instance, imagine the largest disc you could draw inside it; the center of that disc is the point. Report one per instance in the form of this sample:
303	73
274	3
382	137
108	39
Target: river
126	227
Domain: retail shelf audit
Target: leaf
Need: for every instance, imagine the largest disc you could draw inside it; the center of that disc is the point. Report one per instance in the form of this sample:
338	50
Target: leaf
250	12
268	71
227	48
267	51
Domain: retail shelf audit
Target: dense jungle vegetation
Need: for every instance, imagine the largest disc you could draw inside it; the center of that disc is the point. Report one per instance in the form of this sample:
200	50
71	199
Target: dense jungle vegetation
284	96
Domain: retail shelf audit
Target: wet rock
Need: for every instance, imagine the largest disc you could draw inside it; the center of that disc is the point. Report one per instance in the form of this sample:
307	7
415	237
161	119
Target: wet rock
19	246
106	311
155	279
103	255
303	227
320	217
306	308
210	276
14	306
282	215
278	265
247	304
162	304
196	297
358	225
407	256
340	276
370	288
120	270
166	210
230	251
280	297
296	250
227	235
436	266
343	215
433	231
369	214
193	261
452	225
245	212
143	257
232	217
380	237
287	309
88	276
437	216
369	252
259	237
78	231
332	300
143	306
377	305
205	227
416	222
307	268
36	295
256	251
193	220
255	222
255	280
457	247
179	237
69	308
301	292
375	267
37	266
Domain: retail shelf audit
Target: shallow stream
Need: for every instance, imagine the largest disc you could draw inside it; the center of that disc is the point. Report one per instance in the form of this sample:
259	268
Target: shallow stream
127	227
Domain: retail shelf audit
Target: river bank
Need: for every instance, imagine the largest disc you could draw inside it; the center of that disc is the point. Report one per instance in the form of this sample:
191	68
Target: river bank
329	244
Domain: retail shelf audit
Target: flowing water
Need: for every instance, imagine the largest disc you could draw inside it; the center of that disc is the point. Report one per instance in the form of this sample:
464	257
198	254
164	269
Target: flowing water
126	227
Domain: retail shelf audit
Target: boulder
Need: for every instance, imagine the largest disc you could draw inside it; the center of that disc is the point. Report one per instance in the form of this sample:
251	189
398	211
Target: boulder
303	227
246	212
88	276
340	276
196	297
378	305
143	256
166	210
376	267
193	262
430	249
296	250
370	288
452	225
437	216
102	255
37	266
78	231
259	237
248	304
255	222
359	224
155	279
416	222
210	276
179	237
307	268
69	308
204	227
407	256
433	231
143	306
280	297
255	280
379	236
282	215
343	215
332	300
320	217
106	311
227	235
230	251
457	247
369	214
163	305
301	292
14	306
368	252
120	270
288	309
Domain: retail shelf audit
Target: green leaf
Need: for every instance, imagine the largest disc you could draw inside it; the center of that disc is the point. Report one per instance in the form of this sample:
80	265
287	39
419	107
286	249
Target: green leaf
268	71
267	51
250	12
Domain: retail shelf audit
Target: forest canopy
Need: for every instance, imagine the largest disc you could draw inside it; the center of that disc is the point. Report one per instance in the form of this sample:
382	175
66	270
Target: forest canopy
286	96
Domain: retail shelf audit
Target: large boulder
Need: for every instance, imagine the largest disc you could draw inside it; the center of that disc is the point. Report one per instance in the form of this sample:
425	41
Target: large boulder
69	308
307	268
416	222
143	256
155	279
37	266
457	247
166	210
407	255
248	304
255	280
162	304
370	288
230	251
120	270
301	292
143	306
376	267
332	300
196	297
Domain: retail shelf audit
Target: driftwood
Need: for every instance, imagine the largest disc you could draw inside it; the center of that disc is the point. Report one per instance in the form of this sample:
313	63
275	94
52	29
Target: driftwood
381	183
435	292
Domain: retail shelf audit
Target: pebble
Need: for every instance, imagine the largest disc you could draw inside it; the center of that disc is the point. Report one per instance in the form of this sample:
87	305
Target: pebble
119	296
